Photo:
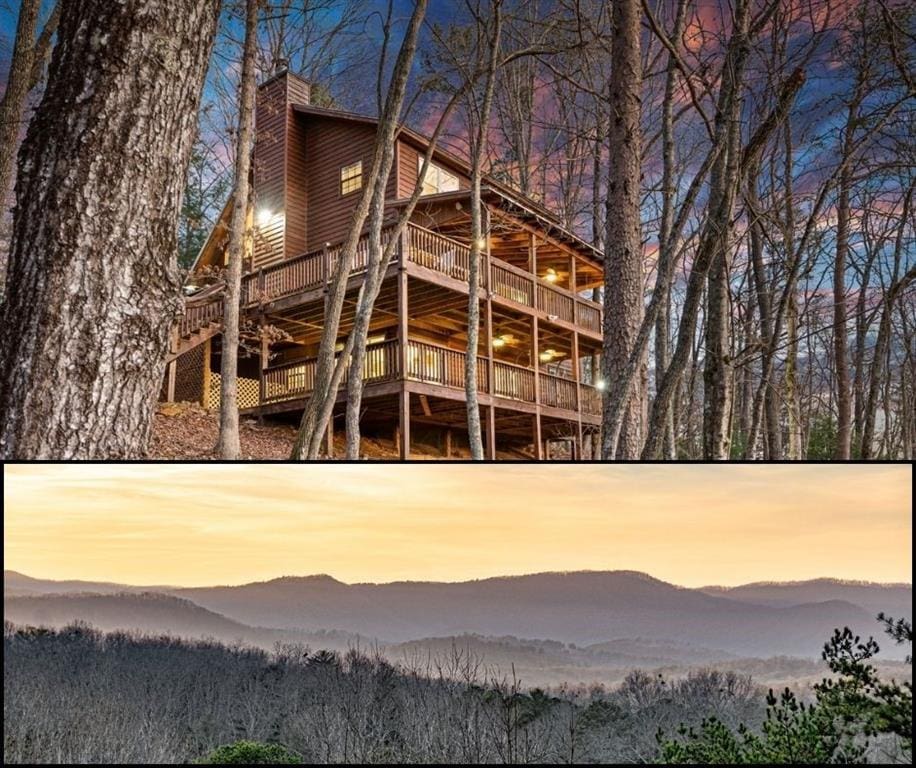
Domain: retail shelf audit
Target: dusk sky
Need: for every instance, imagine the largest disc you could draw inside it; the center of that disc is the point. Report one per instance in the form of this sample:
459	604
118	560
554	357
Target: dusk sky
691	525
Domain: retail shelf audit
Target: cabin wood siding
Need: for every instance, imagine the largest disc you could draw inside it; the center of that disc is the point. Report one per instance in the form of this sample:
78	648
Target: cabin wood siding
331	145
279	170
269	170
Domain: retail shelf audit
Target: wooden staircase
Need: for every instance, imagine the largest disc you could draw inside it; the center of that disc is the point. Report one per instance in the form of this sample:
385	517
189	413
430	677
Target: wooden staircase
202	320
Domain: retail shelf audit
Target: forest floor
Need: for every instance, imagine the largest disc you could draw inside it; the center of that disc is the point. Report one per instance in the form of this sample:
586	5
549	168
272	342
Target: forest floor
184	431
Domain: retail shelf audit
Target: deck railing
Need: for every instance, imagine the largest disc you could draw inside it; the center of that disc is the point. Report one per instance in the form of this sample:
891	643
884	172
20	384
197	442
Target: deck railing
441	254
433	251
558	392
513	382
297	379
435	364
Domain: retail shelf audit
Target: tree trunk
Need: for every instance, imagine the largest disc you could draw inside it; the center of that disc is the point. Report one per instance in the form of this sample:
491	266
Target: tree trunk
714	238
623	262
477	236
773	443
793	410
667	244
328	374
93	281
17	88
841	365
379	259
879	363
229	445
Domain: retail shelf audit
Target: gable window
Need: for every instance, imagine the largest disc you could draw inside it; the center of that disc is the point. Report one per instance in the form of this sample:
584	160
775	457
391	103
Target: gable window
437	179
351	178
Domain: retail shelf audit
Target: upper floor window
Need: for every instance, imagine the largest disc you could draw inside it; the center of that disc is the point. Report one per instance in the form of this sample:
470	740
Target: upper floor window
437	179
351	178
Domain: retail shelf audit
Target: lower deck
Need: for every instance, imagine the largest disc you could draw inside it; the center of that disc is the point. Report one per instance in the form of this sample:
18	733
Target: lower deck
413	418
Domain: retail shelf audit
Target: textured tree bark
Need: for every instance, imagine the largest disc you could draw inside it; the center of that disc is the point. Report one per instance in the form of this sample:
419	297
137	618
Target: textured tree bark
229	446
623	267
93	281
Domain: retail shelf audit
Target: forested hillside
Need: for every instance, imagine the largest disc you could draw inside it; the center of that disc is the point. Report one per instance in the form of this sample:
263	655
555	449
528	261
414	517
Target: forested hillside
79	696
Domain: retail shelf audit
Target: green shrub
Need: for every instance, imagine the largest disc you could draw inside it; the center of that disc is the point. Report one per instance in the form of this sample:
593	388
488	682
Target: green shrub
252	753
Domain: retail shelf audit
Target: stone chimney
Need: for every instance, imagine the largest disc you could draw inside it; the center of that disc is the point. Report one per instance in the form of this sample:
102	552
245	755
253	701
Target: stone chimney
279	168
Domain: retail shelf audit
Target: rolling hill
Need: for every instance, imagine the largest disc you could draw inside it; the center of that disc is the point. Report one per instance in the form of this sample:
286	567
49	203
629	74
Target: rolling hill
584	608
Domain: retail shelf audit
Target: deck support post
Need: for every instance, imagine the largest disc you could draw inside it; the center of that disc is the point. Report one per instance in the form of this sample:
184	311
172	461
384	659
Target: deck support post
403	435
205	377
578	375
536	431
170	387
573	286
404	424
491	432
535	346
448	443
265	361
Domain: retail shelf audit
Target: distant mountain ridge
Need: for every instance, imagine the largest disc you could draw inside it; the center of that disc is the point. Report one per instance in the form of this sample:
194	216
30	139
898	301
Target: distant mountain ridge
583	607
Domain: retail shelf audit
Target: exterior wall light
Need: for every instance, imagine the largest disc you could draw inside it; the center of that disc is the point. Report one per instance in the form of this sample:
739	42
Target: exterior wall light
264	217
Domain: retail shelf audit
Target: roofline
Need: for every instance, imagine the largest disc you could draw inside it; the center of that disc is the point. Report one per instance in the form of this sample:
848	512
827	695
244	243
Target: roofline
340	114
493	185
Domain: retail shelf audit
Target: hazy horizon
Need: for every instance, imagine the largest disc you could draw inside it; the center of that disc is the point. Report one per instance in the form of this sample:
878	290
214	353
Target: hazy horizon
694	526
826	578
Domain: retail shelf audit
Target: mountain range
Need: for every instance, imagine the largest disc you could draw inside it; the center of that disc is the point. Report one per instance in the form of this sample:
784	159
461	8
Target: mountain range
590	609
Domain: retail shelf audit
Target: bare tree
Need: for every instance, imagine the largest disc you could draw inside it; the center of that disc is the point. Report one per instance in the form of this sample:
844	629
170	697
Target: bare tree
328	375
229	446
93	283
491	30
26	66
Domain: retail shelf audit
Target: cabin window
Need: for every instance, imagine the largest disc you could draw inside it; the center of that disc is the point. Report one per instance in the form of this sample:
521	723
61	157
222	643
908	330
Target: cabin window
437	179
351	178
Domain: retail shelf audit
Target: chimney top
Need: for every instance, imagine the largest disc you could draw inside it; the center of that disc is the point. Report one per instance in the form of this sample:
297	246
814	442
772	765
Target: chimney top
280	65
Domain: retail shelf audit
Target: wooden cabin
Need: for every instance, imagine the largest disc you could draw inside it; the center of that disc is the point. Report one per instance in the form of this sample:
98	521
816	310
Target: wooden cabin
540	332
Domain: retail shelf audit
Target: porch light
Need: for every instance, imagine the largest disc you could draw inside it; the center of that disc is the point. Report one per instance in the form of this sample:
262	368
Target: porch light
551	276
264	217
547	355
499	341
377	339
482	243
600	385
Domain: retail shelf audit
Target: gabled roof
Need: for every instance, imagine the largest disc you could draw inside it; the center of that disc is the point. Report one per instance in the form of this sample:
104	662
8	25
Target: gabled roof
522	205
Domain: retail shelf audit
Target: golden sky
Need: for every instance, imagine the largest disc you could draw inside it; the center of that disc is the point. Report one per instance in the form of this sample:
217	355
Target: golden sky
229	524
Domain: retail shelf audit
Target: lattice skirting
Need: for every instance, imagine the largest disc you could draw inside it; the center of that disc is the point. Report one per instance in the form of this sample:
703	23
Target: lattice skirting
248	392
189	375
